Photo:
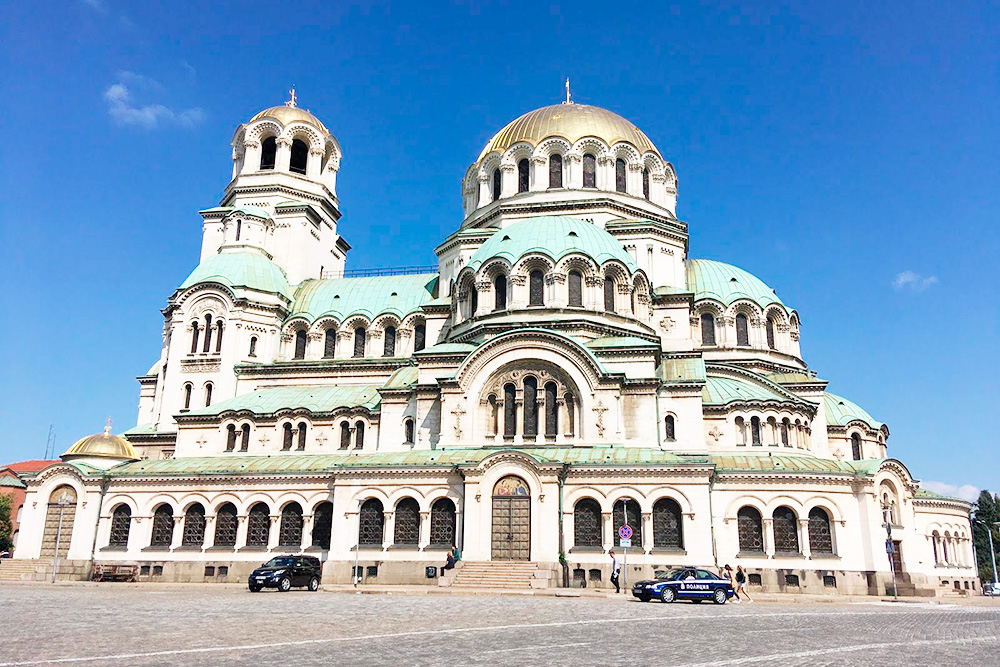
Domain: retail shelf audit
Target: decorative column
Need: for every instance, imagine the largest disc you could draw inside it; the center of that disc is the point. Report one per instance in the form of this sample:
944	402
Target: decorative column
508	180
605	175
485	195
241	531
330	174
388	529
607	531
209	540
251	157
272	533
539	174
178	533
647	531
425	530
283	159
485	297
314	345
313	165
633	182
768	525
345	344
804	538
307	530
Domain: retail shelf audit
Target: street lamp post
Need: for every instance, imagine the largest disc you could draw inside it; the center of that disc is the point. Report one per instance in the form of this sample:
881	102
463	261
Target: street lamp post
889	547
993	553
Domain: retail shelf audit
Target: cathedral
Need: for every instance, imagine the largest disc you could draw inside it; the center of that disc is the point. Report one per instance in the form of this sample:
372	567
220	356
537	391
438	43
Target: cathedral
566	369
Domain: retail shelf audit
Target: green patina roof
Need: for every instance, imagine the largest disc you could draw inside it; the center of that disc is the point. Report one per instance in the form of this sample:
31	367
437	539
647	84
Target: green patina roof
249	270
793	378
402	378
725	390
315	399
448	348
554	237
344	297
841	412
726	283
619	342
12	482
763	462
141	429
682	369
256	211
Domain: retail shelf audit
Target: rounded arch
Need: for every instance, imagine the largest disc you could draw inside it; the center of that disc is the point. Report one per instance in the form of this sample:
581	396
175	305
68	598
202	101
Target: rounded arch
675	494
431	496
188	500
258	498
291	497
398	494
582	492
111	503
746	500
630	492
827	504
550	146
784	499
159	499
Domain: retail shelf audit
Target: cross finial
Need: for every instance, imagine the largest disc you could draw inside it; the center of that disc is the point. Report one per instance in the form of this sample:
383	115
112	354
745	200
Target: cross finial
291	101
107	427
568	101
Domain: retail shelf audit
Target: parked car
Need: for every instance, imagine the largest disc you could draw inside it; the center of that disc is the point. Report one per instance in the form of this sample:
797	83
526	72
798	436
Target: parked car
991	589
685	583
283	572
5	554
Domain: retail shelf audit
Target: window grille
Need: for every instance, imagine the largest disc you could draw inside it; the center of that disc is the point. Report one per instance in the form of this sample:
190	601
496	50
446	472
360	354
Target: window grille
620	180
330	343
258	526
359	342
371	523
290	531
407	528
496	184
509	410
530	407
322	525
707	329
121	523
634	520
536	288
589	171
830	581
609	295
163	527
443	520
225	526
667	524
551	411
419	337
575	288
742	330
791	580
786	534
555	171
820	535
751	530
645	183
522	175
587	523
194	526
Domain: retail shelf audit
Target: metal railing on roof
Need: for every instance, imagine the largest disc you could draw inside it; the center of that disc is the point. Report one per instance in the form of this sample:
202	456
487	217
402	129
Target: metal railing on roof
388	271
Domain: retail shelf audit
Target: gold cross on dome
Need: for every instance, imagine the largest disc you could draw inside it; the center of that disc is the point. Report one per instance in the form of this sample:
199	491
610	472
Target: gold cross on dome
291	102
568	101
107	426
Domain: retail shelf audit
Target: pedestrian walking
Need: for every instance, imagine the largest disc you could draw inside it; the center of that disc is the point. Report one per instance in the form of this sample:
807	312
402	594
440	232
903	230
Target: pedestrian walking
732	582
616	570
741	583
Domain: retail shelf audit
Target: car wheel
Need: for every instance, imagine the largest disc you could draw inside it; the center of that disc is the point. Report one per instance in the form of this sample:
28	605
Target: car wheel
719	597
645	598
314	584
668	595
285	585
255	589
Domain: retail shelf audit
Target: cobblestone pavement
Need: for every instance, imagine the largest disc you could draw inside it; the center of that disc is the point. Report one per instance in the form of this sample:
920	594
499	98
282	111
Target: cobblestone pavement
183	626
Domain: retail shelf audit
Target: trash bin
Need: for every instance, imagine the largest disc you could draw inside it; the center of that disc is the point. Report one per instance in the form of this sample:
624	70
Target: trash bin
431	571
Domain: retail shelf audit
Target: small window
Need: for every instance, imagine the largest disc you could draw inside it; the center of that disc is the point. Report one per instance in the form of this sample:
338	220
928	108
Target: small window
856	446
530	407
208	394
589	171
755	580
742	330
496	184
419	337
239	229
707	329
208	334
245	440
575	289
829	581
620	179
791	580
594	575
302	436
359	342
300	344
330	343
645	183
770	333
671	428
555	171
389	349
194	337
230	438
755	431
500	290
253	346
408	431
187	397
523	175
209	570
371	572
300	156
536	288
473	299
609	295
218	337
551	411
359	435
345	435
144	570
157	570
268	152
509	410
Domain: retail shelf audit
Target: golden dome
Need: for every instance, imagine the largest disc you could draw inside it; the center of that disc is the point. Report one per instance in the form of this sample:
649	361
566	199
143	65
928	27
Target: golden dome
286	114
572	122
103	444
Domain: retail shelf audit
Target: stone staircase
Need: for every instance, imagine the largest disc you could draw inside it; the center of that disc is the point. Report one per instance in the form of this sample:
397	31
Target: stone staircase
25	570
497	574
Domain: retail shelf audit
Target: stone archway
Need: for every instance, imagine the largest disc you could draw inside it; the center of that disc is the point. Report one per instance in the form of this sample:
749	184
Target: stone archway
511	538
59	519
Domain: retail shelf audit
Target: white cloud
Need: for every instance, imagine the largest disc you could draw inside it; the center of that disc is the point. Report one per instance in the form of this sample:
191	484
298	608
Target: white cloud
965	492
124	109
97	5
913	281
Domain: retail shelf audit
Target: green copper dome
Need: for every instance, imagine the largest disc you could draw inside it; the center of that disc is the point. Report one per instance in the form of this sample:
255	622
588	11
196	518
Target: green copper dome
841	412
249	270
554	237
727	283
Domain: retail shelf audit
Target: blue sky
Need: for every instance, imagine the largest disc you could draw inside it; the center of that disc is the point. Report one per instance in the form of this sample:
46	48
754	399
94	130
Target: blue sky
846	153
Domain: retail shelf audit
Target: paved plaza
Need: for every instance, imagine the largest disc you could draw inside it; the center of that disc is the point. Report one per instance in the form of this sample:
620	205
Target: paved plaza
225	625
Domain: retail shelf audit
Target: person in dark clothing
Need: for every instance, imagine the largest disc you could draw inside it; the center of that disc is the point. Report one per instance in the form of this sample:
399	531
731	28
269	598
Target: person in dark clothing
616	570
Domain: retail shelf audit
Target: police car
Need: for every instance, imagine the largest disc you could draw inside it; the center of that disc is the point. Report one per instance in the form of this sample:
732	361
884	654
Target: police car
685	583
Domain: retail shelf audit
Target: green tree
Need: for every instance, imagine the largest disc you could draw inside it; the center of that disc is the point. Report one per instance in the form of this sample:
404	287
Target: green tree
985	514
6	505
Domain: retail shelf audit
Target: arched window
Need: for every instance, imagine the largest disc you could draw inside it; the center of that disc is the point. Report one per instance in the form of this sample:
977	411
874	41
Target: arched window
536	288
494	414
225	526
300	344
163	527
609	295
755	431
330	343
258	526
634	520
208	394
268	153
370	523
772	431
589	171
620	180
575	289
230	438
194	337
667	530
509	410
359	342
555	171
935	538
443	519
389	349
671	428
707	329
345	435
473	299
496	184
741	432
820	535
187	396
359	435
245	438
239	229
522	175
194	526
419	337
770	332
300	155
856	446
751	530
587	523
290	530
786	530
500	290
408	430
302	436
121	524
208	334
944	543
530	407
322	525
784	432
742	330
551	411
253	346
645	183
407	528
570	415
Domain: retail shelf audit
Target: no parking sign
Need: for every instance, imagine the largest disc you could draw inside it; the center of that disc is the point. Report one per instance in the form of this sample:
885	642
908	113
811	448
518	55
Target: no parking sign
625	532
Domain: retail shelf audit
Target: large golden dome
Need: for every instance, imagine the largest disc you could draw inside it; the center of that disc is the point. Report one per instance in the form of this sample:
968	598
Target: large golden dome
286	114
104	445
572	122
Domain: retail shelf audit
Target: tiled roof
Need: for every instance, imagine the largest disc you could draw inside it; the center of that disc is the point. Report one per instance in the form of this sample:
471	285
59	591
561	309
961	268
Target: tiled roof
11	482
726	283
314	398
33	465
370	297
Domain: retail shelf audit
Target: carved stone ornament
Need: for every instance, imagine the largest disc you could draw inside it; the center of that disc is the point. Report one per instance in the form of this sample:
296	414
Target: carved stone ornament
600	410
715	433
458	412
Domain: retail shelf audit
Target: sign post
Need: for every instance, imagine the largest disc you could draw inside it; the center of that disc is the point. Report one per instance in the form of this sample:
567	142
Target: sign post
889	549
625	540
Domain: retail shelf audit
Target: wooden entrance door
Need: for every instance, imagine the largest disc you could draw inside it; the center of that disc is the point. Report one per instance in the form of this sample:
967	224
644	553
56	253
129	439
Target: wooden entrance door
511	520
897	558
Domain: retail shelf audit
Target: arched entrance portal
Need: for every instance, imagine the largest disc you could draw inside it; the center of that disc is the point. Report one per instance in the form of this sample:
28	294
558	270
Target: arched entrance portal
59	519
511	519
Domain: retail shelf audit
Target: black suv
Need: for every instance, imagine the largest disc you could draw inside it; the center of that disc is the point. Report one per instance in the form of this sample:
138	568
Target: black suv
283	572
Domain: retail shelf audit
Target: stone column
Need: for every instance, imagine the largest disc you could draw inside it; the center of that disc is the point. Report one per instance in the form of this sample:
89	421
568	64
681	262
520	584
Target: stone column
607	531
314	163
388	529
508	180
633	180
647	531
272	534
768	524
314	345
307	529
539	180
804	538
485	297
345	344
251	158
330	174
283	159
425	530
241	530
485	194
209	540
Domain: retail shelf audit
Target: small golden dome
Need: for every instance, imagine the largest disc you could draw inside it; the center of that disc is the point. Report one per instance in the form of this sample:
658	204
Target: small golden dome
572	122
103	444
286	114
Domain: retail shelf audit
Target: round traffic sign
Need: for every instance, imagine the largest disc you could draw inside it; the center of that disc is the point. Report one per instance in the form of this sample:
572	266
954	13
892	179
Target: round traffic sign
625	532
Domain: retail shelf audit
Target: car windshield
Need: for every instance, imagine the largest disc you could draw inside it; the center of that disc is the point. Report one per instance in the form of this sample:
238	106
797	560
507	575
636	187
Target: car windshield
669	575
280	562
